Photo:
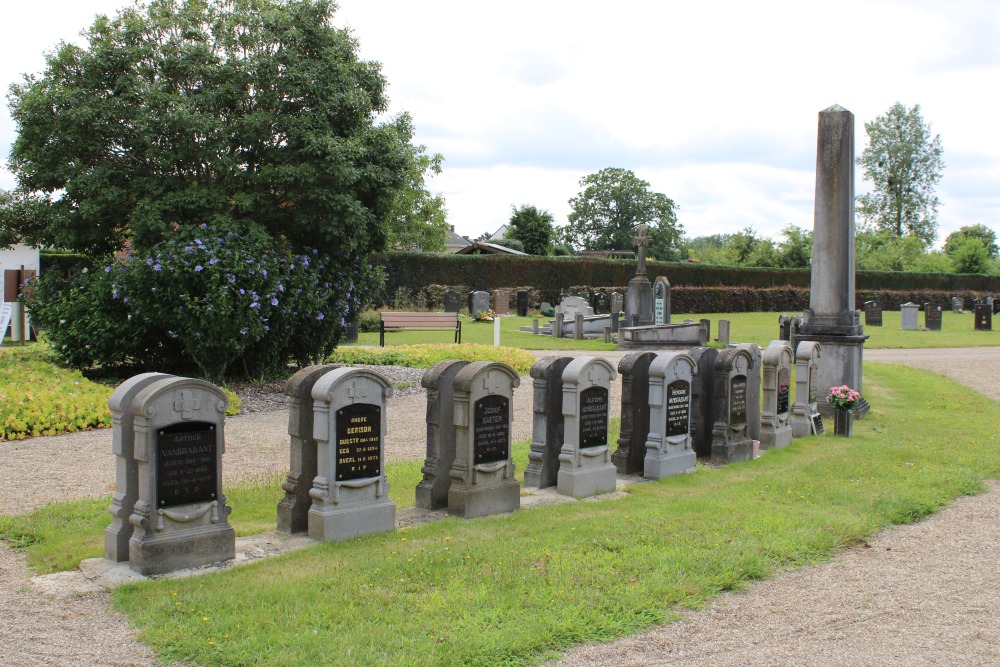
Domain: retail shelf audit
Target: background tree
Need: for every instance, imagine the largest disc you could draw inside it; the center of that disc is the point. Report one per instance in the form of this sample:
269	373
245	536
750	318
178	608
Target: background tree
255	112
969	255
608	211
417	218
903	163
533	228
986	235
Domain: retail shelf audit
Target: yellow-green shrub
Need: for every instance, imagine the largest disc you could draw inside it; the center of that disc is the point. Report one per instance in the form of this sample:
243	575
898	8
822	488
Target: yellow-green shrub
425	356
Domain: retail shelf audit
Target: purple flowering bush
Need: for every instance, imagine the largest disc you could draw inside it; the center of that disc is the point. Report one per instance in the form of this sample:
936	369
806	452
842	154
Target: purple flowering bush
227	301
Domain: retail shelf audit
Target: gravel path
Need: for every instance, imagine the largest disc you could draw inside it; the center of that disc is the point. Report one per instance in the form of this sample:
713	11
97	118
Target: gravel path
932	583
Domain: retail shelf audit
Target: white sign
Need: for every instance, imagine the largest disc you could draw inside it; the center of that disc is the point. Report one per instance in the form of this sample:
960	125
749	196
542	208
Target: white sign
5	311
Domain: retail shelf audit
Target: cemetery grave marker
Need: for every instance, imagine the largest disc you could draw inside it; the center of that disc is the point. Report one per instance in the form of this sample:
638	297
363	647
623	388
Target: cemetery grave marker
522	303
805	408
984	317
482	474
548	422
479	302
661	300
630	456
753	389
956	304
585	459
731	440
180	515
501	302
784	327
293	509
908	316
350	492
723	332
873	314
775	431
439	380
703	400
452	301
668	446
932	317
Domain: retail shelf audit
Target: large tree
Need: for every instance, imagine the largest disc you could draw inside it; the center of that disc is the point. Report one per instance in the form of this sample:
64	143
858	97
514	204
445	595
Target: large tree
533	228
188	112
608	211
418	219
986	235
903	164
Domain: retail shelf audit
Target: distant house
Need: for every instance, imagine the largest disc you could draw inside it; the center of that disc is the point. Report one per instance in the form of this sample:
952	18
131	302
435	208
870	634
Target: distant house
484	248
454	243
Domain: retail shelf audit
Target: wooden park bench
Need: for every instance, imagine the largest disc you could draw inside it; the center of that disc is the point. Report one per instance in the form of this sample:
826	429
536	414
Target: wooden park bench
419	322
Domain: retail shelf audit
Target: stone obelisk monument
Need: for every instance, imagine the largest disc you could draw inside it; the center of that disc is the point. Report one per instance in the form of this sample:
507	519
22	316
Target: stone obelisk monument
639	294
831	319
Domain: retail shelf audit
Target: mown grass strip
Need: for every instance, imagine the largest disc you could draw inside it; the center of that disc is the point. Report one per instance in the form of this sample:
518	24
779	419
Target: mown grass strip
512	590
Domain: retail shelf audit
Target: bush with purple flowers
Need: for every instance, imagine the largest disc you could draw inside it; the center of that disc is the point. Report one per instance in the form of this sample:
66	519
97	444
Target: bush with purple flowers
230	302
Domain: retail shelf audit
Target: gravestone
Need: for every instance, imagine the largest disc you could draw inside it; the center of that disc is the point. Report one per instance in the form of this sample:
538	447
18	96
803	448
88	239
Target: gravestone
479	302
616	303
293	509
668	446
873	314
180	515
793	331
706	325
956	304
784	327
439	381
908	317
630	456
452	301
117	535
703	400
994	304
776	364
984	317
661	300
482	475
932	317
350	492
501	302
602	303
547	424
731	439
572	305
805	409
522	303
753	388
557	325
585	459
639	293
723	332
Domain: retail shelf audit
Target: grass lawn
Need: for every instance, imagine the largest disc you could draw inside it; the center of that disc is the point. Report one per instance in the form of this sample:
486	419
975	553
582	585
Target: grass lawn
462	592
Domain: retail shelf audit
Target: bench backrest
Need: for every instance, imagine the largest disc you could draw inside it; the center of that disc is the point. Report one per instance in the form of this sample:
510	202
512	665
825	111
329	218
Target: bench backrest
420	319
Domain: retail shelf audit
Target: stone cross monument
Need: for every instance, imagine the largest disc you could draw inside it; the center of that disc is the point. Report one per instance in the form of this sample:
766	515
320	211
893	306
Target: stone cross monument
831	318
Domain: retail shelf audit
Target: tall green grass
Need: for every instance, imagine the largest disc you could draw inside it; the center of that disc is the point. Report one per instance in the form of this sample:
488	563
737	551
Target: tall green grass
511	590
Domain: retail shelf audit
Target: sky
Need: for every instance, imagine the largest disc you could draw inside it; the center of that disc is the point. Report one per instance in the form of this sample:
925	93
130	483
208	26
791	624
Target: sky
713	103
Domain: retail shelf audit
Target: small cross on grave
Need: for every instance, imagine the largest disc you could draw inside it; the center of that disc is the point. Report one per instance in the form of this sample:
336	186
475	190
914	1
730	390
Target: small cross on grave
491	383
356	393
187	404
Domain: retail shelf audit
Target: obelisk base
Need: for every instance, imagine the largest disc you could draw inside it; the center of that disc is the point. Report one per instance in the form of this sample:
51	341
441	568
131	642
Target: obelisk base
839	364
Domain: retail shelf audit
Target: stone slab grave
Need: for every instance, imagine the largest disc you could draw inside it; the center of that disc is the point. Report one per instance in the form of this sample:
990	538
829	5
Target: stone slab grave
731	440
585	459
350	492
439	381
932	317
501	302
984	317
873	314
571	305
908	316
776	384
479	302
723	336
703	400
180	516
956	304
293	509
669	448
452	301
522	303
753	388
805	419
547	424
118	534
482	474
661	300
680	335
630	456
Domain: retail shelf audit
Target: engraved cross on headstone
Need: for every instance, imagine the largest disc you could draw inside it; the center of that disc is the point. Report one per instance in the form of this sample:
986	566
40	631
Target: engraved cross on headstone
642	241
491	383
357	393
594	374
186	404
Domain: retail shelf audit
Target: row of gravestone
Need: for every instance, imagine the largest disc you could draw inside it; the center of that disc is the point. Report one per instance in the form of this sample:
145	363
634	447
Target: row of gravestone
480	302
169	513
958	304
983	320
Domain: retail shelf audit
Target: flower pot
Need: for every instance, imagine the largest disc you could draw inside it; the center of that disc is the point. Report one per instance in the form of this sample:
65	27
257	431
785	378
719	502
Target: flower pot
843	423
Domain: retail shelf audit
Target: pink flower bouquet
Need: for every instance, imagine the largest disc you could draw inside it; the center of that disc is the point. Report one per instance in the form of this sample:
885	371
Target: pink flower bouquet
843	397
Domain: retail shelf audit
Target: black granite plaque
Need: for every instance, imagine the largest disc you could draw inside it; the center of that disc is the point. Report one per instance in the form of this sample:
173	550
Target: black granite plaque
678	408
873	314
784	390
984	317
522	303
359	441
186	469
817	424
738	400
593	417
932	317
452	302
812	384
491	429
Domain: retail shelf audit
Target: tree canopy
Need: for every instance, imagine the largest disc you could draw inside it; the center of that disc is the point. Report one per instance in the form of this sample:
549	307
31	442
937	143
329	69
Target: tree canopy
533	228
903	163
608	211
189	112
981	232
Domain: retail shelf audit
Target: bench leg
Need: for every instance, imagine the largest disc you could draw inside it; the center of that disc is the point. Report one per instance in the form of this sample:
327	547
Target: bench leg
381	334
458	333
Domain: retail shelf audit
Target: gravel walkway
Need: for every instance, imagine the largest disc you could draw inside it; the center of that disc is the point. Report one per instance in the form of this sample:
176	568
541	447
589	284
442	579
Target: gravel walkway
931	584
